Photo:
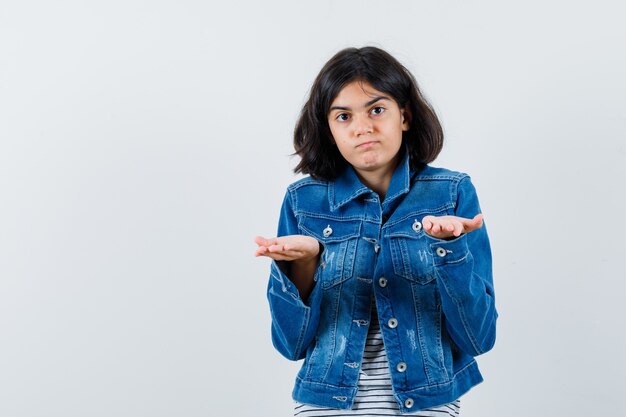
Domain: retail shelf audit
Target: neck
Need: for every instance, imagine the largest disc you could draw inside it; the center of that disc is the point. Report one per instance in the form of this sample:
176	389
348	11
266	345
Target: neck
377	184
377	181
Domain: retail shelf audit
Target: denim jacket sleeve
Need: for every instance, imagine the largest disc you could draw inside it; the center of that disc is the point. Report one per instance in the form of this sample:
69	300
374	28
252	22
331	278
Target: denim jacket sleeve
294	321
464	276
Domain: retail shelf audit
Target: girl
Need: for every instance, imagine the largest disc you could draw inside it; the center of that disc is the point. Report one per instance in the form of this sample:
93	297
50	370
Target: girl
381	272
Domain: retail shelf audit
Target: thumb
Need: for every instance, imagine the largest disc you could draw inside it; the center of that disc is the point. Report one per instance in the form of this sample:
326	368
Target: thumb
476	222
470	225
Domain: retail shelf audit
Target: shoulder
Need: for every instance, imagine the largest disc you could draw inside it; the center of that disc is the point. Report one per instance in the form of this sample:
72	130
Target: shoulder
431	173
441	187
306	183
308	195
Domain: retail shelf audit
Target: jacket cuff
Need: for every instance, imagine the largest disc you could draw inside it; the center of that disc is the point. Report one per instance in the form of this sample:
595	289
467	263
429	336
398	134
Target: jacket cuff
282	285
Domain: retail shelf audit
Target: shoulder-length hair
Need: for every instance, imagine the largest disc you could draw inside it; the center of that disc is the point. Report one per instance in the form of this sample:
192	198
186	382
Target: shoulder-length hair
313	141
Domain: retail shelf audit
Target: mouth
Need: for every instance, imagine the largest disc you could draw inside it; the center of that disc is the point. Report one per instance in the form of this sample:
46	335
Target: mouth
367	144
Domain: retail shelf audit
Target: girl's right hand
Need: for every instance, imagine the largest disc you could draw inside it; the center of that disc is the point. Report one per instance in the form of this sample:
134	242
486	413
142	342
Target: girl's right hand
288	248
302	250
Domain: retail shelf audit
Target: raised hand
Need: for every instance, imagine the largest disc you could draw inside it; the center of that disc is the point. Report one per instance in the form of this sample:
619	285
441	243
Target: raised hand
288	248
444	227
302	250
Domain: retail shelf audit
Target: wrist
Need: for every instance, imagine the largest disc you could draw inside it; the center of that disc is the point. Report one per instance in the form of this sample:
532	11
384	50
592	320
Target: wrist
307	262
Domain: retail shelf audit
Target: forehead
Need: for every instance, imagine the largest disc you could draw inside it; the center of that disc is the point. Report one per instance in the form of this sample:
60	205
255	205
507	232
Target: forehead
357	93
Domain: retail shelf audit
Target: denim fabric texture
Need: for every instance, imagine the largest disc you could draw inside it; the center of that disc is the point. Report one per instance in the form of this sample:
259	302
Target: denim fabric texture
435	297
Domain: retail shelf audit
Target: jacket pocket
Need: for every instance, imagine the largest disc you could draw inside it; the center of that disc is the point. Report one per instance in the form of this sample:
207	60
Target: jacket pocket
411	254
339	238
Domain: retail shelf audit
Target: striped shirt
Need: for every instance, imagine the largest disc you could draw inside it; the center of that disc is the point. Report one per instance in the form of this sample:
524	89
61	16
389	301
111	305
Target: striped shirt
375	394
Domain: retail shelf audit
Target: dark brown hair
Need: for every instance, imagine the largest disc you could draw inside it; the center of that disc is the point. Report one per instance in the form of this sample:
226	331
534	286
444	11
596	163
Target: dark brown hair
313	141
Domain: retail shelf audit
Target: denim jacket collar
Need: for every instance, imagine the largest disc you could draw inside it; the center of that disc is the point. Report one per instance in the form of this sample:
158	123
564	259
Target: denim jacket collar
347	187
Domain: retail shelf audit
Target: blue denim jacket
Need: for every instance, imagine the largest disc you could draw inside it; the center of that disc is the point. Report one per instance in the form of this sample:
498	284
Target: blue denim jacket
434	297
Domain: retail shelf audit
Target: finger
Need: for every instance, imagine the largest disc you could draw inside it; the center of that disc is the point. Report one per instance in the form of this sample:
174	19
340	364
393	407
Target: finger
458	229
285	255
263	250
292	247
278	256
291	255
273	242
434	230
275	248
473	224
427	222
450	227
437	232
261	241
479	220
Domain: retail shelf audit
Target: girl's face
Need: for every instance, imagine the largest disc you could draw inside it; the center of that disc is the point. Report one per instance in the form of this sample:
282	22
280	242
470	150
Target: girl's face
367	127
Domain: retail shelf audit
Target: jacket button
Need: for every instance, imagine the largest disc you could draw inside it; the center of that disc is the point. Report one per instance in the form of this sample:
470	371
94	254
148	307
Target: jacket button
392	323
417	226
441	252
382	281
408	403
376	248
328	231
401	367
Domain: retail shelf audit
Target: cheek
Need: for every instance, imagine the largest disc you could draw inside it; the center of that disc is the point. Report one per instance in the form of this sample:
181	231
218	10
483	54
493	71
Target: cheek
338	135
334	134
396	132
343	147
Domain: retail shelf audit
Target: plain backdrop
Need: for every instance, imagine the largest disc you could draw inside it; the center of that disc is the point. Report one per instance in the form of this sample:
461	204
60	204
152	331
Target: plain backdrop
143	144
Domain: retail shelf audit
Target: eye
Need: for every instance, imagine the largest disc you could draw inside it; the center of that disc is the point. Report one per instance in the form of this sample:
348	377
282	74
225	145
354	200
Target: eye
377	110
342	117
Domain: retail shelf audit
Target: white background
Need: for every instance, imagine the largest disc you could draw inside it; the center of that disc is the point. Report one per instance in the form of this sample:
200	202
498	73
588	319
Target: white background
143	144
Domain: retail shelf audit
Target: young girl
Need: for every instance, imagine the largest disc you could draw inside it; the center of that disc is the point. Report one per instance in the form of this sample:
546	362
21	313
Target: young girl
381	272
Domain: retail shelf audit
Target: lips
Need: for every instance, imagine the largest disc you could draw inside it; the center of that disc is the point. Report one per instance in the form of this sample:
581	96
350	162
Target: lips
367	144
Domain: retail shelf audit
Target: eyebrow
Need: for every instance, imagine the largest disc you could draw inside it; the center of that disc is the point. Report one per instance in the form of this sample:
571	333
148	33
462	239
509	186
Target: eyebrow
369	103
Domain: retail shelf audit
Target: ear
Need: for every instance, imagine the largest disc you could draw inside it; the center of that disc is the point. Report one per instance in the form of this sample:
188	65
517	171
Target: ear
406	119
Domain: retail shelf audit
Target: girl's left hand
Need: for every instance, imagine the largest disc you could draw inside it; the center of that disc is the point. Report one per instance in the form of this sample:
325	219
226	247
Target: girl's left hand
444	227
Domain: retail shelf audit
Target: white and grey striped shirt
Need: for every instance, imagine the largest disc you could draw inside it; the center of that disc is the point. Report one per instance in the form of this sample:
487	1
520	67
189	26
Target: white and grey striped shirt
375	394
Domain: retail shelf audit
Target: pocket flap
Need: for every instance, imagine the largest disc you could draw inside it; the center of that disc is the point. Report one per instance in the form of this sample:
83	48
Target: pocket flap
330	230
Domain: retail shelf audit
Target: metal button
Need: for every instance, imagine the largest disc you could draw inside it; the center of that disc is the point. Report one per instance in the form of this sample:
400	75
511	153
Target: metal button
441	252
408	403
328	231
382	281
401	367
393	323
417	226
376	248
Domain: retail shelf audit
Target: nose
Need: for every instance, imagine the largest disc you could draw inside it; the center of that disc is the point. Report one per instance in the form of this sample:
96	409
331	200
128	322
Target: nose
362	126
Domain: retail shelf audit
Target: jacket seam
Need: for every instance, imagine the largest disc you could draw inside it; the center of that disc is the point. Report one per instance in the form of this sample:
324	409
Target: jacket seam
305	325
462	315
441	177
306	181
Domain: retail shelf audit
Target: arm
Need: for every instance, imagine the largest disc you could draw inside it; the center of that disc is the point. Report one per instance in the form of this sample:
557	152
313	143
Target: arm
464	274
293	295
301	256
